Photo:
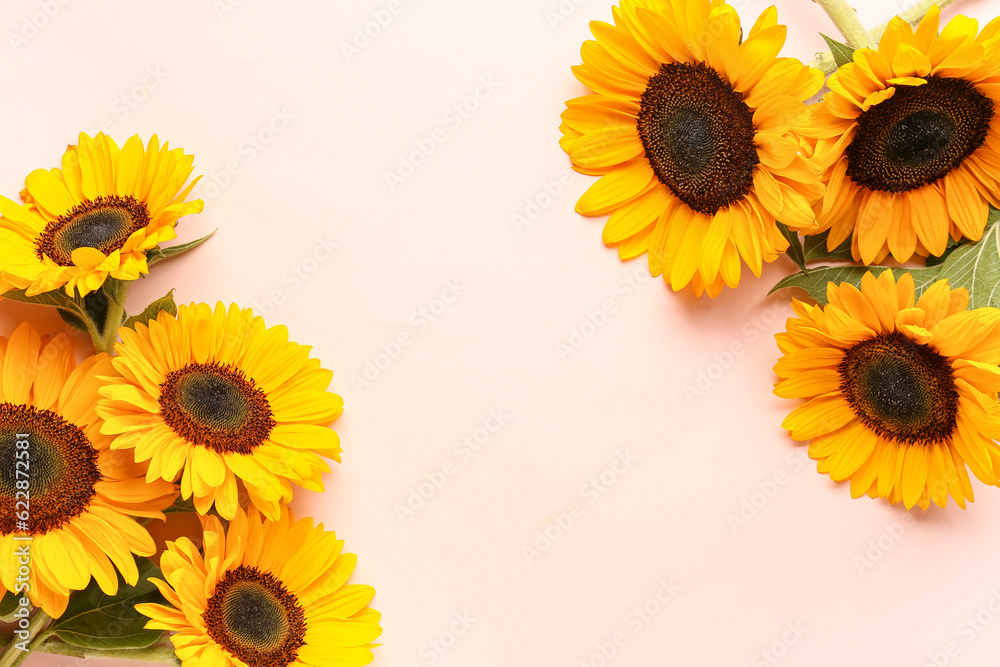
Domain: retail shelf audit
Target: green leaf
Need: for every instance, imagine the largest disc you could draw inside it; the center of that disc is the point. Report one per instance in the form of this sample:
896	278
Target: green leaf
842	53
95	306
73	320
56	298
165	302
180	505
74	311
156	255
816	248
794	245
98	621
976	266
815	281
8	605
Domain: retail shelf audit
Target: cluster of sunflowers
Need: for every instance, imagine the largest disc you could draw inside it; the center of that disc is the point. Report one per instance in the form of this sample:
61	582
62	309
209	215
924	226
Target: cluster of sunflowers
191	409
709	159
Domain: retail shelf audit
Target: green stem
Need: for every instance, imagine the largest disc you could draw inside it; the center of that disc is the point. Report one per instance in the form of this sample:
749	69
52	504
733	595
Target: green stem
14	656
846	19
115	292
914	15
111	324
81	312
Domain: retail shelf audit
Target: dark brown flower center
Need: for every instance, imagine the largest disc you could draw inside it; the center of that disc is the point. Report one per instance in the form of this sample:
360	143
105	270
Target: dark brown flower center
48	470
699	136
900	389
918	135
217	406
104	223
254	617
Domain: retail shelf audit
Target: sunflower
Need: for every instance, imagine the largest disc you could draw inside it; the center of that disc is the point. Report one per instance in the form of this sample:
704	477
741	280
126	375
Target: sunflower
224	402
690	130
95	217
64	495
909	141
267	594
902	397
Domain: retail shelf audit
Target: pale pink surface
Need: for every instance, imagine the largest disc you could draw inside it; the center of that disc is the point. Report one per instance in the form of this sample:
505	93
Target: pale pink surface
799	561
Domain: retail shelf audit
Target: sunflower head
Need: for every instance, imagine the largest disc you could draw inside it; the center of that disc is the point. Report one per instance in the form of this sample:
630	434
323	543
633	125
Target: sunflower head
60	483
222	402
95	217
263	604
901	393
907	139
690	129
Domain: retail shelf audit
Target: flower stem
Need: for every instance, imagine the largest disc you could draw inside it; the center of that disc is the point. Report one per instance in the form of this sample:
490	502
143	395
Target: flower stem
95	335
846	19
111	324
13	656
115	290
824	61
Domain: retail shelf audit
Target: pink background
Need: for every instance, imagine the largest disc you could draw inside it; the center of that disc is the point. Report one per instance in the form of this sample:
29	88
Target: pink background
312	236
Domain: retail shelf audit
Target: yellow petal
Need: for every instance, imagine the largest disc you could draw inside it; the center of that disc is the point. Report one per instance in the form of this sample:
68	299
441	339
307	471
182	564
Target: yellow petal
821	415
910	62
617	187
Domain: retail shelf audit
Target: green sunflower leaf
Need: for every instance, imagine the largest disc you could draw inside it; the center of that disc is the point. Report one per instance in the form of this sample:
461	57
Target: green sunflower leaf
73	311
73	320
976	266
794	246
842	53
181	505
56	298
97	621
8	605
815	281
815	248
165	302
158	254
96	304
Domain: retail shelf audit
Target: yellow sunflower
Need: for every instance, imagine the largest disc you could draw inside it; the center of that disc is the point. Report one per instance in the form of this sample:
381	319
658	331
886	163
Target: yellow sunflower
95	217
909	140
267	594
690	130
65	497
224	402
902	397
